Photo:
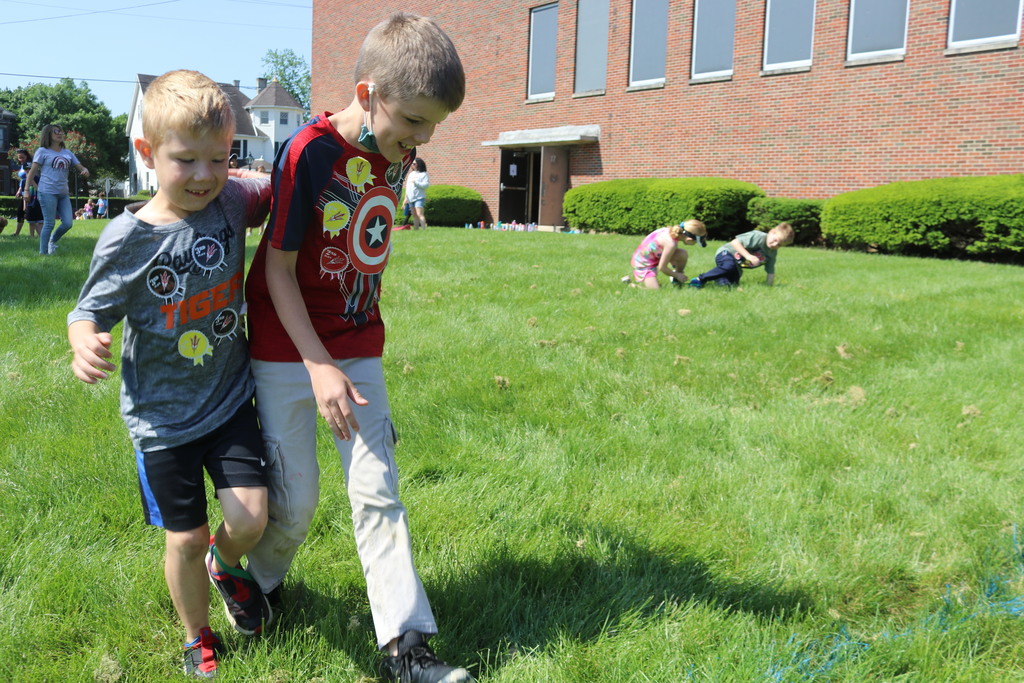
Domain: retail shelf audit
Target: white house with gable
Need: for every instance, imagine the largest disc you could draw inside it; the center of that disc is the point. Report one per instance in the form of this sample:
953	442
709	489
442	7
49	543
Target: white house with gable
262	124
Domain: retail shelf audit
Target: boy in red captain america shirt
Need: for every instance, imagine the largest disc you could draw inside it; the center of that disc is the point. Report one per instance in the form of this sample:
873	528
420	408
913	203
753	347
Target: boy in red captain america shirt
316	331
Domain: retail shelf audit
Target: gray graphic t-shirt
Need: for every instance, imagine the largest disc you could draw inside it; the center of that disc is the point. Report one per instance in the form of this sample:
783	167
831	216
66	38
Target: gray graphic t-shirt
178	288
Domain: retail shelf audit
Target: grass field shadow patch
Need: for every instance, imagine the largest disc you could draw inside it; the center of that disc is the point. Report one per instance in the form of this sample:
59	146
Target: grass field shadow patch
31	280
527	603
337	621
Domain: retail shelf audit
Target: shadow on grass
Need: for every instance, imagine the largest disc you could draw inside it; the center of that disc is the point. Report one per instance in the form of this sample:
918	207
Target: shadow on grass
508	604
342	622
30	279
524	604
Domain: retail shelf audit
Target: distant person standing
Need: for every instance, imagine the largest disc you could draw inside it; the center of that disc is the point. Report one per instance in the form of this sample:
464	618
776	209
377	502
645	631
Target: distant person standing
49	171
416	184
28	208
101	206
23	173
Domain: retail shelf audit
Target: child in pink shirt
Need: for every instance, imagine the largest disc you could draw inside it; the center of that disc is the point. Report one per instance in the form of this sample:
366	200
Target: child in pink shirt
659	251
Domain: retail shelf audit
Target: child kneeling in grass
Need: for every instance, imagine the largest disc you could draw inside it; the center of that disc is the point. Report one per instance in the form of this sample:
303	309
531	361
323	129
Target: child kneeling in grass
749	250
171	269
659	252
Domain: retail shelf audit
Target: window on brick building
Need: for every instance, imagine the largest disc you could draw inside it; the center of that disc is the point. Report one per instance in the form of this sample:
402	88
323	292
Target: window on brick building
264	117
978	22
649	42
591	46
788	34
543	44
878	28
714	29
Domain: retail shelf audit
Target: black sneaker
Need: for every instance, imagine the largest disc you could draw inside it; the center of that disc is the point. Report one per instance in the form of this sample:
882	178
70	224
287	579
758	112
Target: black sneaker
417	663
244	603
201	654
275	598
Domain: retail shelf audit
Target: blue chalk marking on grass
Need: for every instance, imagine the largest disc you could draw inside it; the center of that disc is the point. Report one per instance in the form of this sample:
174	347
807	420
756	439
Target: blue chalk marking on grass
814	658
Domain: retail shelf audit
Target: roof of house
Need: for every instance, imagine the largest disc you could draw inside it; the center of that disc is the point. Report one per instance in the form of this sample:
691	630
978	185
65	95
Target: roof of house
274	95
243	122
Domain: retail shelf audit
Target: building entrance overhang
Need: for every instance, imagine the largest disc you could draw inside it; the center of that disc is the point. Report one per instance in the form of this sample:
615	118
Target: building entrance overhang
546	137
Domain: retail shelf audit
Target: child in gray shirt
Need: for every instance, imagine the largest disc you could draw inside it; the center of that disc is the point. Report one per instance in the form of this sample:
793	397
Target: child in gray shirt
171	269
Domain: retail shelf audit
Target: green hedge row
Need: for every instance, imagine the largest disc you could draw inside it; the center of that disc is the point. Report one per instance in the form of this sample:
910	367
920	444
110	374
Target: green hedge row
446	205
947	217
453	205
9	205
803	214
635	206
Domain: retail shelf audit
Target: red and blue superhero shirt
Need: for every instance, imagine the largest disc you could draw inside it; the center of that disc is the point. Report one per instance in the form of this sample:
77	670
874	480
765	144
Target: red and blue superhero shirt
335	205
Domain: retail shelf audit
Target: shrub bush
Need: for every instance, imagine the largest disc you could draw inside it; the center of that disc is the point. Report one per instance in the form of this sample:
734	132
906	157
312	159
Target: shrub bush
453	205
9	205
803	214
635	206
947	217
115	205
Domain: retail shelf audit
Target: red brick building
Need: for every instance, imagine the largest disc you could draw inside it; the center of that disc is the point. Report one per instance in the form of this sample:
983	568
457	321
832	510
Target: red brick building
804	98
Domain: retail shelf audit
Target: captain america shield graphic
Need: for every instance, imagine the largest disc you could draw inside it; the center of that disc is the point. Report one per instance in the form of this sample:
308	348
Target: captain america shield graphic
369	234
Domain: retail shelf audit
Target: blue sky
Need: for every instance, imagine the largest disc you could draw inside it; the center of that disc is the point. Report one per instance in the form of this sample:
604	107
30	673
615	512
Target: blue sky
107	42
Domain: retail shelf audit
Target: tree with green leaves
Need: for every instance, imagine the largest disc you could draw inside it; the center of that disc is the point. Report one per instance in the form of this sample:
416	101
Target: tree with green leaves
291	71
102	139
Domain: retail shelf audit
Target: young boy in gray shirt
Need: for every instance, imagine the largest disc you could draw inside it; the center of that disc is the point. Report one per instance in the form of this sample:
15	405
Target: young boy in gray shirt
749	250
171	269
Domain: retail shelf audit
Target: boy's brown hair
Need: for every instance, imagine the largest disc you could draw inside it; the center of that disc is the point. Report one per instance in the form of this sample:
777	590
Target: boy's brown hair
785	232
185	102
407	56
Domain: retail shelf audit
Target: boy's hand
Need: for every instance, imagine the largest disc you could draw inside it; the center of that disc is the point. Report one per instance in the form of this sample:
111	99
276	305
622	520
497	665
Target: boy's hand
91	352
246	173
333	391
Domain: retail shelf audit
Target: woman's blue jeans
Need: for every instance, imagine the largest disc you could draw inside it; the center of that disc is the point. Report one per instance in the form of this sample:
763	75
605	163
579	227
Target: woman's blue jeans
54	205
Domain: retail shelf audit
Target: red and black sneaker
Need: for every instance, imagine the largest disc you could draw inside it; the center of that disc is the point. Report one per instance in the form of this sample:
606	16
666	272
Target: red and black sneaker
201	654
244	603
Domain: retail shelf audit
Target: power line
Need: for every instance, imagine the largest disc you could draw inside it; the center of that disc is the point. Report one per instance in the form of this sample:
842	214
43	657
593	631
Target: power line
57	78
88	80
121	11
273	4
81	14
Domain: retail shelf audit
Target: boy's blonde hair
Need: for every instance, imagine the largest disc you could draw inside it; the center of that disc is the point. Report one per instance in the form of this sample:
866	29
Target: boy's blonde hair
407	56
785	232
692	226
185	102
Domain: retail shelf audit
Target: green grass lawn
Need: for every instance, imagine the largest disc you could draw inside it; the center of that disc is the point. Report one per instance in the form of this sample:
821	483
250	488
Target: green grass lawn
816	481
